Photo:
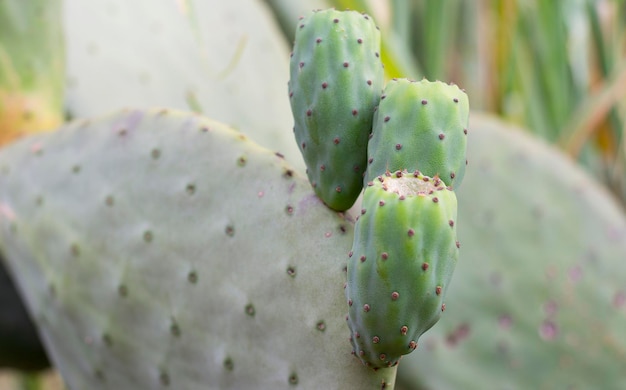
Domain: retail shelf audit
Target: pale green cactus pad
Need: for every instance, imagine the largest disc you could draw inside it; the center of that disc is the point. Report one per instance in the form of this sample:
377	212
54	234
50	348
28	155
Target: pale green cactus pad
538	300
163	250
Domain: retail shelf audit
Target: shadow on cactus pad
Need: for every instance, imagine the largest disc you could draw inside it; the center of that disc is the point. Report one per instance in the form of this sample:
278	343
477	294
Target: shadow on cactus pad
20	347
538	300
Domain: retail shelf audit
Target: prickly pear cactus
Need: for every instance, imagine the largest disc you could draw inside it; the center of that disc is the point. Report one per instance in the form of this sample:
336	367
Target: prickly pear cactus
32	72
336	79
420	125
401	263
540	297
163	250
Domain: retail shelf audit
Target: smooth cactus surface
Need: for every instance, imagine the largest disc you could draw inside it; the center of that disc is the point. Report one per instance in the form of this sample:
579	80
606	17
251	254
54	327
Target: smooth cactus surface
225	59
32	67
335	84
400	266
160	250
539	298
420	125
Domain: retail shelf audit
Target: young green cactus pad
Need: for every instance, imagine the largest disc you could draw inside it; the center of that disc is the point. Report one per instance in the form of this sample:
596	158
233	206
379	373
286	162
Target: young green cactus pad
400	265
163	250
541	303
336	78
420	125
20	346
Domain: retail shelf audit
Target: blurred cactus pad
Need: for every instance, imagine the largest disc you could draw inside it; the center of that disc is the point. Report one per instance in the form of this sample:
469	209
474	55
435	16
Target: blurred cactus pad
184	247
32	67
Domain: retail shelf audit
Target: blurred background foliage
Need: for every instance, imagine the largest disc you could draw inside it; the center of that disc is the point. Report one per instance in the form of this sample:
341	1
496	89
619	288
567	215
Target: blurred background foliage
557	68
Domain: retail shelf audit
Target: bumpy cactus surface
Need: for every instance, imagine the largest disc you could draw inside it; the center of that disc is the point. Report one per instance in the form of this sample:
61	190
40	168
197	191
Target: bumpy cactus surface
336	79
163	250
32	72
401	263
539	296
420	125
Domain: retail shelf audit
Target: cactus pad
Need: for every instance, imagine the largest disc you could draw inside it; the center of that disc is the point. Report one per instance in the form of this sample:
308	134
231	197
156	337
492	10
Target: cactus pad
335	83
160	250
32	67
400	265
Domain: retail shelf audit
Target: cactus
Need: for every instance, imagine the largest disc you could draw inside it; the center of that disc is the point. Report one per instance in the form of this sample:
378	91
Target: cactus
400	266
32	72
540	297
335	83
157	249
420	125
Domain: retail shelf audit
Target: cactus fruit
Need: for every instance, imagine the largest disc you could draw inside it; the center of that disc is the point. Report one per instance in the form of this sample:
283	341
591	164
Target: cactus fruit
335	84
157	249
228	58
32	71
541	303
400	265
420	125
